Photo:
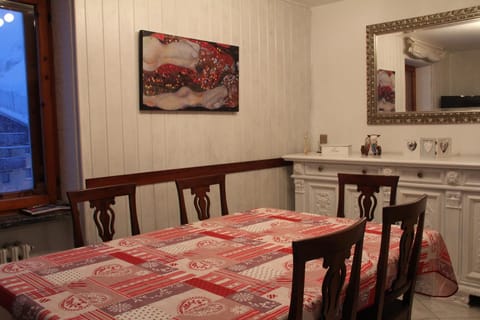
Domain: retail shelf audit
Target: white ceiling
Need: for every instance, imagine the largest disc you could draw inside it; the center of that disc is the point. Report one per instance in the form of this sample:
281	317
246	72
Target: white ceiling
453	37
313	3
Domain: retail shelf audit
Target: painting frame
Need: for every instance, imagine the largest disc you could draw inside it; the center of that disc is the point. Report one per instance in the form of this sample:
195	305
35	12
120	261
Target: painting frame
184	74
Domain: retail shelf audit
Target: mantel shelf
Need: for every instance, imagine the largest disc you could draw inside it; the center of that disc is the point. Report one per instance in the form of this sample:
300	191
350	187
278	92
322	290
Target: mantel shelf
393	159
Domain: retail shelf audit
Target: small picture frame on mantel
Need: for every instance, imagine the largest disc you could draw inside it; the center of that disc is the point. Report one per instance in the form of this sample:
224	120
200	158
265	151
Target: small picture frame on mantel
428	148
412	149
444	147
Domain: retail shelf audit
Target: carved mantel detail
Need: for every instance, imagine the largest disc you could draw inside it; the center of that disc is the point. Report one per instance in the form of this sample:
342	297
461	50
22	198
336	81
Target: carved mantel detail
453	199
452	178
387	171
323	202
299	186
298	168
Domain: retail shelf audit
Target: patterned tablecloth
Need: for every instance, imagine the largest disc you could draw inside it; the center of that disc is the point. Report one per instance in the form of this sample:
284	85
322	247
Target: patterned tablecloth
233	267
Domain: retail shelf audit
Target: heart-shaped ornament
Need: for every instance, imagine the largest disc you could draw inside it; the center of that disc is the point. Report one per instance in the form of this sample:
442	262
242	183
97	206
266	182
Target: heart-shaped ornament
411	145
443	146
428	146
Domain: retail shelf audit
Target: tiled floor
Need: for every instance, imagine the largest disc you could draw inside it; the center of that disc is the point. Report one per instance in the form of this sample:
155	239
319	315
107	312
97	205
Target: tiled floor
424	308
453	308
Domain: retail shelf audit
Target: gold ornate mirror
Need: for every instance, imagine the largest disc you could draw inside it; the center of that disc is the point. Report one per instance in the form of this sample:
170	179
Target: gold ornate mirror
425	70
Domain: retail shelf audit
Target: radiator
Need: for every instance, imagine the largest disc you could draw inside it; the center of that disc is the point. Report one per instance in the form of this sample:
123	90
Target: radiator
15	252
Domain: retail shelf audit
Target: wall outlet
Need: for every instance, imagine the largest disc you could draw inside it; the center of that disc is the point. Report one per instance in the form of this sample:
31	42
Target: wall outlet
323	139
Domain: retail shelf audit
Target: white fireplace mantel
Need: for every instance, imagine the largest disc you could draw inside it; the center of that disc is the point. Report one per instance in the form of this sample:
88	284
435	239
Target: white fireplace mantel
452	185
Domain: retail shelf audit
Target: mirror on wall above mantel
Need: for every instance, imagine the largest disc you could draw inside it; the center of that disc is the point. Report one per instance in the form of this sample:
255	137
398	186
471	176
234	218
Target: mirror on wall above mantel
425	70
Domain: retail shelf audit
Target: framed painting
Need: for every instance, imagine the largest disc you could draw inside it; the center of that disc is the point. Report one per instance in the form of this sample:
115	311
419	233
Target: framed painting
386	90
184	74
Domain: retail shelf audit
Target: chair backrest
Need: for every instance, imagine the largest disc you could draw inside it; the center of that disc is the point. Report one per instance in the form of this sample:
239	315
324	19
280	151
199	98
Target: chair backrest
200	187
411	216
367	185
334	248
101	200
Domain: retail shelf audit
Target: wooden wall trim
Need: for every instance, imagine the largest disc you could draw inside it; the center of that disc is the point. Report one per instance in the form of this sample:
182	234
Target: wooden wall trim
153	177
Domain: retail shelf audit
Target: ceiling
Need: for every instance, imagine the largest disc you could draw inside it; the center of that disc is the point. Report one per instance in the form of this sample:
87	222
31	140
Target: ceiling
452	37
313	3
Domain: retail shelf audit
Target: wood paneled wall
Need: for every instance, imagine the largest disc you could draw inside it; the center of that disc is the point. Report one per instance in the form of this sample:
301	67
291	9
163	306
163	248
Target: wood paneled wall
113	137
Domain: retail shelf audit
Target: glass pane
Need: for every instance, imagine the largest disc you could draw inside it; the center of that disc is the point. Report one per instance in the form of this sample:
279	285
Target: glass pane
15	146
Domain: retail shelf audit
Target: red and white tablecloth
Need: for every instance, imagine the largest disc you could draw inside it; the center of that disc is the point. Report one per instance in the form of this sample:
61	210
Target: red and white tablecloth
233	267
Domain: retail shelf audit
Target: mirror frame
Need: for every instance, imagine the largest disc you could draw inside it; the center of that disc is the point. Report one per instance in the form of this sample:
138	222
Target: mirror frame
431	117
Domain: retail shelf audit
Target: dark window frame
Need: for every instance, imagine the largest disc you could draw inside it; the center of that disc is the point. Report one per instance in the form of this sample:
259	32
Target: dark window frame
45	161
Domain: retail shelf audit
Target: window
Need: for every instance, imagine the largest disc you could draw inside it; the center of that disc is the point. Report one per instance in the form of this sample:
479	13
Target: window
28	148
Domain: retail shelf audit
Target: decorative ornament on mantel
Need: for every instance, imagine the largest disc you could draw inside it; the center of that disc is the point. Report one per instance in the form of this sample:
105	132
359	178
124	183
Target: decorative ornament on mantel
306	143
371	145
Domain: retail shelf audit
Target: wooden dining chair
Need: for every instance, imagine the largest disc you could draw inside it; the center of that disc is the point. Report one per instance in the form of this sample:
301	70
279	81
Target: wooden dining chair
368	186
200	187
101	200
395	302
334	248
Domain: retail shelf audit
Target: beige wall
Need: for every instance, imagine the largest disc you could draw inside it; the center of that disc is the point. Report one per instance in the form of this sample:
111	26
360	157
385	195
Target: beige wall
103	132
466	81
339	74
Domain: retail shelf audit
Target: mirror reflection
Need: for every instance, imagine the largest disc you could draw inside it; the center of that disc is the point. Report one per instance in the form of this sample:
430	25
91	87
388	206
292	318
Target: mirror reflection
430	69
425	69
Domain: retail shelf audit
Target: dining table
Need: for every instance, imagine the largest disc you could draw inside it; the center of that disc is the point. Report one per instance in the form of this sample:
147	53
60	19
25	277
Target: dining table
237	266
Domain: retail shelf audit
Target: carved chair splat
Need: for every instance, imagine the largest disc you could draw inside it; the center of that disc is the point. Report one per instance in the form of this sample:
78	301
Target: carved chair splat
368	186
102	199
334	248
396	302
200	188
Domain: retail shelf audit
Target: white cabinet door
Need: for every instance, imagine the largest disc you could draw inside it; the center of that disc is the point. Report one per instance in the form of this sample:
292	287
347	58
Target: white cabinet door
434	204
471	241
443	214
321	197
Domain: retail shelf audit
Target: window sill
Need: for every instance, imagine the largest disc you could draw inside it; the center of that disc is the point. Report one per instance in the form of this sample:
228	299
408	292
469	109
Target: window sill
17	218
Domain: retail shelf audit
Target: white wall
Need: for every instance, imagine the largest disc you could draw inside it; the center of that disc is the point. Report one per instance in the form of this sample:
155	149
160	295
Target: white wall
339	74
466	78
113	137
425	89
